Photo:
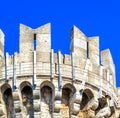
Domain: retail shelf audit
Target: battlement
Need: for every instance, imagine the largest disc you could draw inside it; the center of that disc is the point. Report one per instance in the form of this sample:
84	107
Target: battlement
82	46
42	83
106	59
1	43
41	35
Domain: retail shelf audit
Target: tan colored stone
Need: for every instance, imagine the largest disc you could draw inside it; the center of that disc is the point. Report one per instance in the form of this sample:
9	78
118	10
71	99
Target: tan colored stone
43	96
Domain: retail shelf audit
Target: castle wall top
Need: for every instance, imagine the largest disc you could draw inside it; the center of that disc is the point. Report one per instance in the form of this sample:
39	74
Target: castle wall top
81	46
107	60
28	37
84	57
1	43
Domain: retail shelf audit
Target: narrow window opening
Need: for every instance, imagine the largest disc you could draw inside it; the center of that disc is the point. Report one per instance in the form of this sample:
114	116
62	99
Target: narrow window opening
100	61
34	42
87	50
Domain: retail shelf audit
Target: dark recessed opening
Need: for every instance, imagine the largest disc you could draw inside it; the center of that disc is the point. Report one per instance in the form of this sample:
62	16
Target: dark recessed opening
34	42
66	92
7	97
85	100
46	97
27	99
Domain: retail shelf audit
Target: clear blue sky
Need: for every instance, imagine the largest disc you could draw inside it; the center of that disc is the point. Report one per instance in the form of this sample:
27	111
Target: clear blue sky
94	17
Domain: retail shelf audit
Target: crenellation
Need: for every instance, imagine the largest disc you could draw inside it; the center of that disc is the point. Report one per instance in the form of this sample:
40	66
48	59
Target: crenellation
1	44
41	83
26	39
78	43
107	62
76	33
106	59
43	42
43	38
93	49
26	43
1	37
45	29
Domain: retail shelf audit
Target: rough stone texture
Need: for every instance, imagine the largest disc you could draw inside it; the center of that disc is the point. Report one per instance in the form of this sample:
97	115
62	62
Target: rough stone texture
93	49
1	44
78	43
49	87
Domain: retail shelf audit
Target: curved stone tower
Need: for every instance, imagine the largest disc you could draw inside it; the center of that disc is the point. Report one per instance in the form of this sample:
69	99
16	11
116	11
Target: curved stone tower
38	83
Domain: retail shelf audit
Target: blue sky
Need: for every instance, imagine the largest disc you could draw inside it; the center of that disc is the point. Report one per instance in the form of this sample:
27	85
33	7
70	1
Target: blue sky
94	17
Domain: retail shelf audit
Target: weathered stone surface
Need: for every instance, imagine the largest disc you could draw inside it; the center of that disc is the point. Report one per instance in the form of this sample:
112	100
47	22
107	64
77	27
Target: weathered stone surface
93	49
39	94
78	43
1	43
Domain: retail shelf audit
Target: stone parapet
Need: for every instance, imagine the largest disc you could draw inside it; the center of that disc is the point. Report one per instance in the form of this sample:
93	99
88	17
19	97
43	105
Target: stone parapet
40	83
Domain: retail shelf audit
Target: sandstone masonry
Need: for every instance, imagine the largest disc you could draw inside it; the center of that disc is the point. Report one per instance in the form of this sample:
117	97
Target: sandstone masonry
38	83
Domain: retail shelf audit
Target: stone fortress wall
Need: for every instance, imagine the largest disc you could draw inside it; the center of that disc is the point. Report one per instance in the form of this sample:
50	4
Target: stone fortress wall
38	83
